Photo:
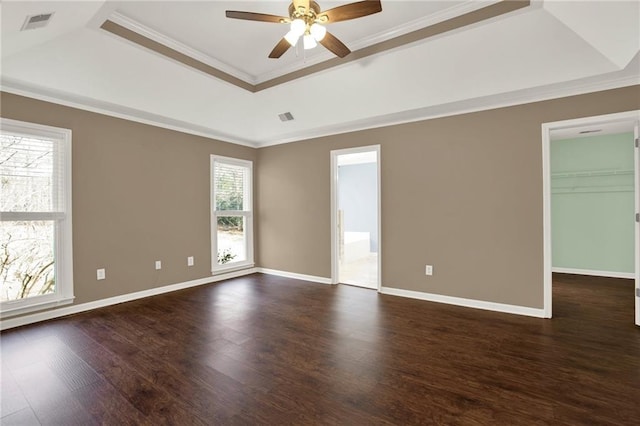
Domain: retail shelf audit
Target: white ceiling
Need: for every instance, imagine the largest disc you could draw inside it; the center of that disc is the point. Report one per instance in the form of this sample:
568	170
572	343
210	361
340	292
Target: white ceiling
546	50
595	129
243	45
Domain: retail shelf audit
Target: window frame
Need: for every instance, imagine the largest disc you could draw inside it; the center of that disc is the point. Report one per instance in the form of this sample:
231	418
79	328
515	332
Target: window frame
246	213
63	229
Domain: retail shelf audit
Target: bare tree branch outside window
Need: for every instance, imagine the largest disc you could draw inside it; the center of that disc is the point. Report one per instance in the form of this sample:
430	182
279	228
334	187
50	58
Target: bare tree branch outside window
27	184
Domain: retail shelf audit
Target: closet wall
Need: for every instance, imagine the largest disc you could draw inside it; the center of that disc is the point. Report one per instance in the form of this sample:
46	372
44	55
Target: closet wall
592	204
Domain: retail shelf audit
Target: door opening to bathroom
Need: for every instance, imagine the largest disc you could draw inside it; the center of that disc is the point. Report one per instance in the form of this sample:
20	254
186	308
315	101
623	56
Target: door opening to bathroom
356	218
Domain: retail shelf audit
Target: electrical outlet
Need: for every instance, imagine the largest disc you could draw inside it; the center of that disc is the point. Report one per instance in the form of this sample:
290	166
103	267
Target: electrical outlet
101	274
158	264
190	261
428	270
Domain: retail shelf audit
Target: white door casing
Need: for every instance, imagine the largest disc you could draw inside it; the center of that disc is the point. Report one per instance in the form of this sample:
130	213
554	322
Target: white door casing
632	118
636	135
335	263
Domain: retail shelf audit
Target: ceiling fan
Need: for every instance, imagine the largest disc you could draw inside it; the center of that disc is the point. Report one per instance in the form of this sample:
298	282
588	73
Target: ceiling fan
307	21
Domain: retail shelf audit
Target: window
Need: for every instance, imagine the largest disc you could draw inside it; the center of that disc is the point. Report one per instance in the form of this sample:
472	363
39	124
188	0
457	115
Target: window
231	216
36	269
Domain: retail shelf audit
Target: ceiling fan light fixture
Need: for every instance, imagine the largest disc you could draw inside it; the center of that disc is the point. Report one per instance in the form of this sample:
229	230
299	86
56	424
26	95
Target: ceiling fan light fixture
292	37
309	42
307	20
318	31
298	27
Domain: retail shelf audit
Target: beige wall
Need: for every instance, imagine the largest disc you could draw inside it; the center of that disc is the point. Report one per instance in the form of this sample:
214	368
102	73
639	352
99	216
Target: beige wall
462	193
140	194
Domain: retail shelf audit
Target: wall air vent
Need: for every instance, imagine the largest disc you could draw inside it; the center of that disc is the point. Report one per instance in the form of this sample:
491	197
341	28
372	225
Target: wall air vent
286	116
584	132
36	21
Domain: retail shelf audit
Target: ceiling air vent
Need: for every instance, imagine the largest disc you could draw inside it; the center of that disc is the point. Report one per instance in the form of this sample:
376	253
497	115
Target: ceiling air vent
36	21
286	116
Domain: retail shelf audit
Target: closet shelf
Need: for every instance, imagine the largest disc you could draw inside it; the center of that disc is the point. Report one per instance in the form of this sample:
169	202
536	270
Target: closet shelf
591	189
591	173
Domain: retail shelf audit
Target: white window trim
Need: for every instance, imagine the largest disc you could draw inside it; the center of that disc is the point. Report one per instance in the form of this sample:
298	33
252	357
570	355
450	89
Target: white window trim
247	214
64	232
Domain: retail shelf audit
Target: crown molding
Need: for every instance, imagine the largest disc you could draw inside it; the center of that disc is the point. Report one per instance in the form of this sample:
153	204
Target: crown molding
519	97
554	91
425	21
408	27
167	41
469	13
114	110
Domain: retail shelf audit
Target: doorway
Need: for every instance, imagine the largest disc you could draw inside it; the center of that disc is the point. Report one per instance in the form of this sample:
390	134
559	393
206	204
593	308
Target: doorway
596	191
355	216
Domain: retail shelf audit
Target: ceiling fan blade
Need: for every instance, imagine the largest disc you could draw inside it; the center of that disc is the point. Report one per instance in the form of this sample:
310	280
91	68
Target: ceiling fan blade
261	17
282	46
350	11
336	46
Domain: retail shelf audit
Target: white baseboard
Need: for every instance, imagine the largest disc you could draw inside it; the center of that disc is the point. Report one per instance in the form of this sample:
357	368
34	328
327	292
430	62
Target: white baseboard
8	323
469	303
458	301
592	273
311	278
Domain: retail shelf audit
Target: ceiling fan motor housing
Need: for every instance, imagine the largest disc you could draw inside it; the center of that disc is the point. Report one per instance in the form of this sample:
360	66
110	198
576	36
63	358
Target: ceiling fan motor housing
309	16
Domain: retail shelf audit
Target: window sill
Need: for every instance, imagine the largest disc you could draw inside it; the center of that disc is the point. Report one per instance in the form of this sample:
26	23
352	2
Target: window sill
233	268
8	311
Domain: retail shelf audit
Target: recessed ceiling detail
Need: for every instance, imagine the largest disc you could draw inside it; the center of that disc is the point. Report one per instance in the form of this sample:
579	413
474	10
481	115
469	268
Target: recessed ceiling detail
174	54
195	71
458	22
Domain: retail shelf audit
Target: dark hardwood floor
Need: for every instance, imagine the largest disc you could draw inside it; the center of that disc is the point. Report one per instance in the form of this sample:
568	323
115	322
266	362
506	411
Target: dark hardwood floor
269	350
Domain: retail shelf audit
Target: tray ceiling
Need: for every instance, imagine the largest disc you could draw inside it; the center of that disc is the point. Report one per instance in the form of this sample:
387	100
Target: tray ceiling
541	50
